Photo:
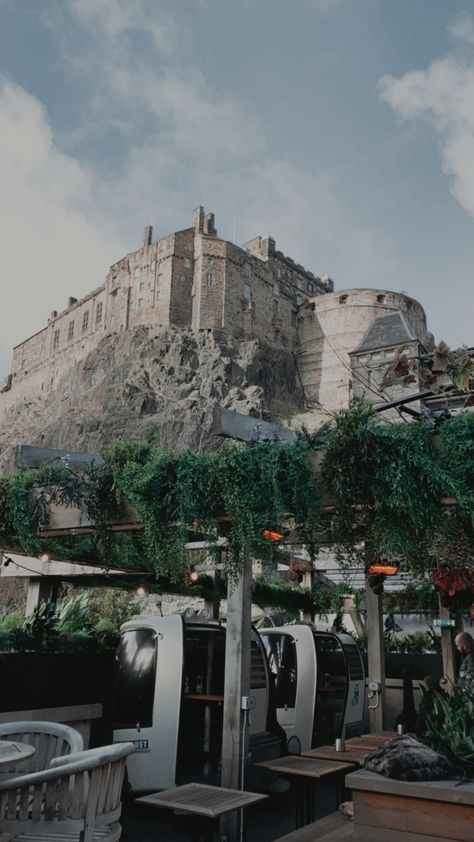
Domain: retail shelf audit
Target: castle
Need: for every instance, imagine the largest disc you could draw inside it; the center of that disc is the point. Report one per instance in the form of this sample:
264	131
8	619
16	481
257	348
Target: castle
195	280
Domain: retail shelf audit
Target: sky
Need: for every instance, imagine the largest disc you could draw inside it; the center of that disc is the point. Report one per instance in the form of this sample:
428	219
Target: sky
343	128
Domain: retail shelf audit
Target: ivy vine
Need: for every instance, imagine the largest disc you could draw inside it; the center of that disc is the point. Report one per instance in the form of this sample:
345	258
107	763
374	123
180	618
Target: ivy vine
385	483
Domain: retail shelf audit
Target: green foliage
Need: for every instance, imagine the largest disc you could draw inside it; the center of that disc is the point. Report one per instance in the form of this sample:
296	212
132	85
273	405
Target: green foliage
413	644
274	593
416	596
450	725
387	481
80	624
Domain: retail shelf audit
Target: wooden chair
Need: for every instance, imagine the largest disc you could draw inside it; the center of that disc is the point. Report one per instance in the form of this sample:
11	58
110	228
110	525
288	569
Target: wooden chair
79	800
50	739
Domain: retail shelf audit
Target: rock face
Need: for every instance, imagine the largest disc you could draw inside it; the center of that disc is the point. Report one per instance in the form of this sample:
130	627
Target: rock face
166	382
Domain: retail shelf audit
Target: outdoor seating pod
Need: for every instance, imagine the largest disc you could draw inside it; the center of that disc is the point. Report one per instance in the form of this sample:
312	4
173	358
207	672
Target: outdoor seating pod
50	739
78	800
319	683
170	697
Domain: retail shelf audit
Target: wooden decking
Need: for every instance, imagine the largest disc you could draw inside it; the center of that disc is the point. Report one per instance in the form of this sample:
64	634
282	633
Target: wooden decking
333	828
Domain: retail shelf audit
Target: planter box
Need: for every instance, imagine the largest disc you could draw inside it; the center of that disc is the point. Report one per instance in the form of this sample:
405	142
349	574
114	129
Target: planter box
409	811
32	680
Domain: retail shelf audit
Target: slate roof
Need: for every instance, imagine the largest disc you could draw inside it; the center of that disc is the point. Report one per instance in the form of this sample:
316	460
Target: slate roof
385	332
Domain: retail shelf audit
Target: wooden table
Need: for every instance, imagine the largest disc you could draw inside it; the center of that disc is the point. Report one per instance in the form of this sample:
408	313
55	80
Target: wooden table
351	754
371	741
206	802
13	752
306	771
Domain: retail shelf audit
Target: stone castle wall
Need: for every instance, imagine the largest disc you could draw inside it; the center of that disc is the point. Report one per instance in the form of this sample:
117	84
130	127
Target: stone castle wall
191	278
331	327
194	279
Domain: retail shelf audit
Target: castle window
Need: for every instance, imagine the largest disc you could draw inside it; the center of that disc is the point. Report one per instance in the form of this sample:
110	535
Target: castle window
380	299
209	279
247	292
247	270
152	265
293	318
300	283
70	333
140	302
141	286
98	313
276	288
210	261
188	262
85	321
276	307
310	288
56	339
278	272
343	299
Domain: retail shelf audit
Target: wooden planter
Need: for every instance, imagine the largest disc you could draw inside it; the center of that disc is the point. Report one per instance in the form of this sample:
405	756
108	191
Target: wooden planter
408	811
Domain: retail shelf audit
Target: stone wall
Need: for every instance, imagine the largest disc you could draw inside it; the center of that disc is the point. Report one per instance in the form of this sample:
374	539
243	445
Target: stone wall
191	278
195	280
330	327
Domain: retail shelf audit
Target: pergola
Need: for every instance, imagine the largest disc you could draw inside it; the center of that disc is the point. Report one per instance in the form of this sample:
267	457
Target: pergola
72	520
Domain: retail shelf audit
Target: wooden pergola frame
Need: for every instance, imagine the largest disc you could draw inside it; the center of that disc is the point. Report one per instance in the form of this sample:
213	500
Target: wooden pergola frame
69	521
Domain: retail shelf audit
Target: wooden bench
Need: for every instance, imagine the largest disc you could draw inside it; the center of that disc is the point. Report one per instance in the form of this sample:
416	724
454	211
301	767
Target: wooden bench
333	828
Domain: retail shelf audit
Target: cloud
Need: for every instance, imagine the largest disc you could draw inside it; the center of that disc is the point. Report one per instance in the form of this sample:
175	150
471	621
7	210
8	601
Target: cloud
443	94
179	142
462	27
52	245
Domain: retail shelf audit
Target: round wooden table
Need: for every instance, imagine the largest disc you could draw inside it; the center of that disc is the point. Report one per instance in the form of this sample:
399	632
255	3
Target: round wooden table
13	752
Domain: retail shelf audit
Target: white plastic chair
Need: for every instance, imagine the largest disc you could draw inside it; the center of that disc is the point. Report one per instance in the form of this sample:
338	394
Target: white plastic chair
79	800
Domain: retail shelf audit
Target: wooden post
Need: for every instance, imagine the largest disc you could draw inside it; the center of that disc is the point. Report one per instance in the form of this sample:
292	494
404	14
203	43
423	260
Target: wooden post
236	686
308	582
448	649
376	657
39	590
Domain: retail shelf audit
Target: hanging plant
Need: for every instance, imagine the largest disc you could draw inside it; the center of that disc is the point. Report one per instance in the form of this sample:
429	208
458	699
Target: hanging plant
387	482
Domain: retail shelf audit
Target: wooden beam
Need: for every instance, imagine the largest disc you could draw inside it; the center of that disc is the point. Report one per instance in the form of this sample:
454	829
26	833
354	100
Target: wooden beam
236	686
236	425
34	457
448	648
29	567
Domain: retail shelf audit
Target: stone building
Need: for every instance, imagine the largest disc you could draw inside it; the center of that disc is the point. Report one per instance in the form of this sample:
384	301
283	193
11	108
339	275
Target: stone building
191	278
348	339
194	280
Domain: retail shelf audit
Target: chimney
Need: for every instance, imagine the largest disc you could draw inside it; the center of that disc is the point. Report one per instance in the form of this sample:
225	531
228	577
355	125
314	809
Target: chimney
209	224
147	235
71	300
198	220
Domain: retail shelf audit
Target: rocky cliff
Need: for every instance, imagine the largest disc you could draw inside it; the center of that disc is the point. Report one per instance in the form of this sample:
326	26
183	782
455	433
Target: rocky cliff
166	382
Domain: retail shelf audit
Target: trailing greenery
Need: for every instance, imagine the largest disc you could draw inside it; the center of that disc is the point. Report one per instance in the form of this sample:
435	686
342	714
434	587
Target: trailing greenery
388	482
384	483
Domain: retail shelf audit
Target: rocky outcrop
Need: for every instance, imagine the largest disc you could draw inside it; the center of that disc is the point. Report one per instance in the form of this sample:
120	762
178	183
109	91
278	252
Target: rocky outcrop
165	383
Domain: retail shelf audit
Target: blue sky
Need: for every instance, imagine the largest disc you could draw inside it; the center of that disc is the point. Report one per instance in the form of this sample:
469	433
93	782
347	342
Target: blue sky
345	128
